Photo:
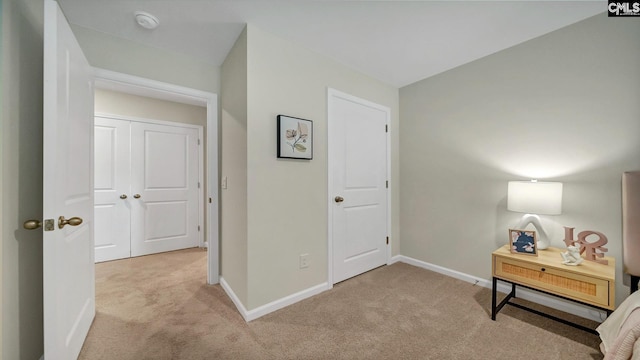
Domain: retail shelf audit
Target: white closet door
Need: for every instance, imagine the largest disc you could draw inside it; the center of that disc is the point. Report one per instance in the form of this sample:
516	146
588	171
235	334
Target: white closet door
112	182
164	163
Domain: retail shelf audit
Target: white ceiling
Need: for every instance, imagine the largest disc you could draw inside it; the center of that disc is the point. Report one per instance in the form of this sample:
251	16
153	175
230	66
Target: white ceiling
397	42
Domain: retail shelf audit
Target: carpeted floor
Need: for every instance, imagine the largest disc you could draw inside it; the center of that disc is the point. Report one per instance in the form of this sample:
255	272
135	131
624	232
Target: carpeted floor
159	307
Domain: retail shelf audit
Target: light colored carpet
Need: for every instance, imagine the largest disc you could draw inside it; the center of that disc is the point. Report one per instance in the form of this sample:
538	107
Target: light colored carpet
159	307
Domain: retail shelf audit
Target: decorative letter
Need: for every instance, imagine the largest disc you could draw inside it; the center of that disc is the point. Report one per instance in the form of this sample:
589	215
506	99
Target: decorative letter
568	236
592	249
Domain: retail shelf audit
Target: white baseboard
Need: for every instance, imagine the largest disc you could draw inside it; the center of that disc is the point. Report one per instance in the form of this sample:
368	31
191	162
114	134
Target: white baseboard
533	296
263	310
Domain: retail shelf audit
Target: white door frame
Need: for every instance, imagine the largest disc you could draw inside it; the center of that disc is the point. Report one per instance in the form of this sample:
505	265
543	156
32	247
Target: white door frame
110	80
333	93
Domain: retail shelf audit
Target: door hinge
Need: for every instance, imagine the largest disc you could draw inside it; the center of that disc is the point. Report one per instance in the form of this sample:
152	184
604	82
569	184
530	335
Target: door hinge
387	184
198	184
198	141
210	200
198	227
387	240
386	128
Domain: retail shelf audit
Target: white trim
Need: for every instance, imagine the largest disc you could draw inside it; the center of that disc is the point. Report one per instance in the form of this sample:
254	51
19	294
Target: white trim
201	166
333	93
263	310
530	295
130	84
148	120
106	79
234	298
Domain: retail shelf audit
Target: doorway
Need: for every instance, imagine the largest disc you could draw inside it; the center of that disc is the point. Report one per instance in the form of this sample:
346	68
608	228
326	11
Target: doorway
148	197
128	84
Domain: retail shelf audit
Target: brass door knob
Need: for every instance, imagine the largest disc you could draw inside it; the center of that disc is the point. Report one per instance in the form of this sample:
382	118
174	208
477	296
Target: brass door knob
137	196
123	196
32	224
74	221
339	199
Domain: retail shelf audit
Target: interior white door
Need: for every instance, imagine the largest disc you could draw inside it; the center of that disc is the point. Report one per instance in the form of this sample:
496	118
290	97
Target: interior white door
164	184
68	256
112	189
358	160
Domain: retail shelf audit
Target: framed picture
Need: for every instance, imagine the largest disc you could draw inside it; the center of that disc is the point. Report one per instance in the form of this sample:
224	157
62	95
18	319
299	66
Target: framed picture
523	242
295	138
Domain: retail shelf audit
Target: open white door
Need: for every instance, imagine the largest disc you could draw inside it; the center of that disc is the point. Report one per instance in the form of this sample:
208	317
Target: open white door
69	283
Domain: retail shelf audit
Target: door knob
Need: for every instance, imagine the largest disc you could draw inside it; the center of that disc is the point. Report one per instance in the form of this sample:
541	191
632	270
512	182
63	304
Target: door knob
123	196
74	221
137	196
339	199
32	224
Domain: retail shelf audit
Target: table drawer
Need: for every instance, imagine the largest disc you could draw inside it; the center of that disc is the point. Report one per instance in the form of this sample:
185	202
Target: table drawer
575	286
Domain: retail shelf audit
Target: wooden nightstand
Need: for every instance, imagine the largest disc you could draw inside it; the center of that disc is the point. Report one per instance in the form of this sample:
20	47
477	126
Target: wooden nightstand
589	283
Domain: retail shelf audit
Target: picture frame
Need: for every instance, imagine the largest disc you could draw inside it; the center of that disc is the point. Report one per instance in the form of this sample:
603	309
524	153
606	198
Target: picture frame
523	242
295	138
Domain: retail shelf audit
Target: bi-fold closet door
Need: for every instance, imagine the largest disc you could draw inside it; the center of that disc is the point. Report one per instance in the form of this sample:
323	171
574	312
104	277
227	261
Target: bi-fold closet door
146	188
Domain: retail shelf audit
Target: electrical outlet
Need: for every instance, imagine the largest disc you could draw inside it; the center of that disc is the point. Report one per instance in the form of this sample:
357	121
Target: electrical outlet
304	261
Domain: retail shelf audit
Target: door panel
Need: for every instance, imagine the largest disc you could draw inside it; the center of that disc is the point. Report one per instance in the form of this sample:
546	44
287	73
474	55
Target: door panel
165	175
165	151
112	180
359	170
166	220
68	253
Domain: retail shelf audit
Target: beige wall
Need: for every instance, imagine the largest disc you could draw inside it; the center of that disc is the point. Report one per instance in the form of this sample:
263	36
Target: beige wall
233	214
1	171
287	199
117	103
562	107
112	53
2	61
21	158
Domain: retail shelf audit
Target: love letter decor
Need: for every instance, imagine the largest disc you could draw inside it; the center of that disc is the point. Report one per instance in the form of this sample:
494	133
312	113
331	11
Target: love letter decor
594	251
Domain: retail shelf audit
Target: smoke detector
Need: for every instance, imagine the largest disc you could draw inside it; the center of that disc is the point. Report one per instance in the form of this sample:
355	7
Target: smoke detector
146	20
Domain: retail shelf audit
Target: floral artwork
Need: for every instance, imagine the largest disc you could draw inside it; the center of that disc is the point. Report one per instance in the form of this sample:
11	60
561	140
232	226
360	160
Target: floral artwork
298	137
523	242
295	138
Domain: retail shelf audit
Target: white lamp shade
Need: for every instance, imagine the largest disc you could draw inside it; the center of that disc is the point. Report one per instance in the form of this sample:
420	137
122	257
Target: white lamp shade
532	197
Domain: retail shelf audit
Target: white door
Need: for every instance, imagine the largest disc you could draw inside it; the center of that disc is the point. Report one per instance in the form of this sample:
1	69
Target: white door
164	184
69	287
112	189
358	168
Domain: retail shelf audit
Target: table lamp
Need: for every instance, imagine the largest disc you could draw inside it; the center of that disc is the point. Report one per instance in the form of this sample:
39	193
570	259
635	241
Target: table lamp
535	198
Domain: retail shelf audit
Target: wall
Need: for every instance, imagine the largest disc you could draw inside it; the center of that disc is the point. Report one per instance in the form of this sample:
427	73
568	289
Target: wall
21	158
563	107
118	103
1	172
287	199
112	53
233	214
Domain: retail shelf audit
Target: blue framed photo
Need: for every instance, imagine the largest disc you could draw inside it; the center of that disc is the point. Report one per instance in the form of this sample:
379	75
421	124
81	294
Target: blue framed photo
523	242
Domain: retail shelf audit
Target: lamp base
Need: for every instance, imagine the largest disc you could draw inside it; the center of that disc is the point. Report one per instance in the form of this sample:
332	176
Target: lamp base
541	236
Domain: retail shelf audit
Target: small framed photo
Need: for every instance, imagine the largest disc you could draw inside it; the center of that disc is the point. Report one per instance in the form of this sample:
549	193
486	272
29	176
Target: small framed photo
295	138
523	242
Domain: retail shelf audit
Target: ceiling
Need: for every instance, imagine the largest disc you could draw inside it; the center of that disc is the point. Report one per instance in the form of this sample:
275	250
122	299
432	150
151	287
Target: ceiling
397	42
